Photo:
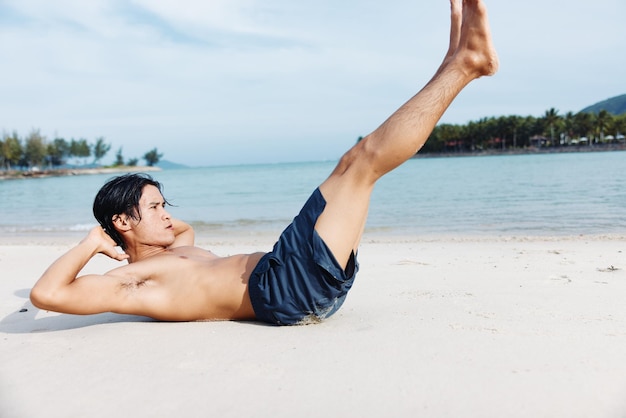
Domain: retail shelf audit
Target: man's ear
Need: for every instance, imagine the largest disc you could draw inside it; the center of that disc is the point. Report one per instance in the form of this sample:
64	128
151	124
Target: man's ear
121	222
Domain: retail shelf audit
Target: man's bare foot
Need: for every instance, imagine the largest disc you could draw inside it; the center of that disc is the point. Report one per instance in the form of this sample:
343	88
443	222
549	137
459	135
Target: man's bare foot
456	18
475	53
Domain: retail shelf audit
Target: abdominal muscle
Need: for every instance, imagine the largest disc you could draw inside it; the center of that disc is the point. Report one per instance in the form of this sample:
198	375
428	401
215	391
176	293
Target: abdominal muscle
188	283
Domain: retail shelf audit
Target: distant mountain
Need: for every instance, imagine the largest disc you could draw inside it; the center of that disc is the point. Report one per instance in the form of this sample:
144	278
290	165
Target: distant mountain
169	165
615	105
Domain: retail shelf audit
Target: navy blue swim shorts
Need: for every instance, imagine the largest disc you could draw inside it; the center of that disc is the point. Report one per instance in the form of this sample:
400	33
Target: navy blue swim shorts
300	281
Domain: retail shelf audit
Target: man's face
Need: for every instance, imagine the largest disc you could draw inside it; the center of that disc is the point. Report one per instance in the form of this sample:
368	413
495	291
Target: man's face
155	226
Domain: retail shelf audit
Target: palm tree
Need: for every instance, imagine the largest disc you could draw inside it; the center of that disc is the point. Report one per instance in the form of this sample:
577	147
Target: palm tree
568	122
619	125
583	124
152	157
550	119
35	148
119	158
80	149
12	150
603	119
100	149
58	150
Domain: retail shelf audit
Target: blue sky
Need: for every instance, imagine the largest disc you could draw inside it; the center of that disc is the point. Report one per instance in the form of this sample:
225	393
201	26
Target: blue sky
244	81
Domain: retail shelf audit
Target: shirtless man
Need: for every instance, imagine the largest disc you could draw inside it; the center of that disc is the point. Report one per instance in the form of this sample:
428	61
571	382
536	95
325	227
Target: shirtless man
312	266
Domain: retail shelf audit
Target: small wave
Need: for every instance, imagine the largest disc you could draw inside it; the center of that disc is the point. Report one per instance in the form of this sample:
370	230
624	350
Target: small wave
239	224
17	229
81	227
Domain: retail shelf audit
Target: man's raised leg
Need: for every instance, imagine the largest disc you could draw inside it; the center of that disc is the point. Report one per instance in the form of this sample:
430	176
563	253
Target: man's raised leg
347	191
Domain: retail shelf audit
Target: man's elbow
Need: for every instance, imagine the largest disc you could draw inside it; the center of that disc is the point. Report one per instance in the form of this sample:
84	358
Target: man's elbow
44	299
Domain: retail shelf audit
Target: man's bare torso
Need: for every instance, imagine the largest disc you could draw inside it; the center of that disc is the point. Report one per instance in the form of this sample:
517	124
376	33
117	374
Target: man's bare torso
187	283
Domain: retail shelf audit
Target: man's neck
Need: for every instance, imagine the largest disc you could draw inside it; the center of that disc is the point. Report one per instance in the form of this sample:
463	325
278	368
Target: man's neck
142	251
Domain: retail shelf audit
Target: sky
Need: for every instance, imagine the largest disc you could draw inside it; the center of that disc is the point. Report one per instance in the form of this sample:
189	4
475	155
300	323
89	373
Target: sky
220	82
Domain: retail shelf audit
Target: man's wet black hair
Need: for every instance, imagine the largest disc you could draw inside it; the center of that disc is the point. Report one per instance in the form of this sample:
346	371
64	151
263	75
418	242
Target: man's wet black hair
118	196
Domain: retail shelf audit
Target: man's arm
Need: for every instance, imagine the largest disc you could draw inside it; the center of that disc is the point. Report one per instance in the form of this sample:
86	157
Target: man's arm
184	233
58	288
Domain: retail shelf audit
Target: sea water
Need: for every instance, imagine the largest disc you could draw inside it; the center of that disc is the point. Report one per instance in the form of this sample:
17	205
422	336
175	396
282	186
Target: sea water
537	194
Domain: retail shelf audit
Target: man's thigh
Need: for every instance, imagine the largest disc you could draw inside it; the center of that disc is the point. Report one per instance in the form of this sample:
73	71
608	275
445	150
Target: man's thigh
342	222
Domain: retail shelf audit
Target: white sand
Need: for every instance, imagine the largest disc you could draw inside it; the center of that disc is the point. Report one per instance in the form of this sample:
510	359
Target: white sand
490	327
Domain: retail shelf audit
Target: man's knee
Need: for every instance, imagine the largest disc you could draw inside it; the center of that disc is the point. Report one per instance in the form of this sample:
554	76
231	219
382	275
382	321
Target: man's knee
359	161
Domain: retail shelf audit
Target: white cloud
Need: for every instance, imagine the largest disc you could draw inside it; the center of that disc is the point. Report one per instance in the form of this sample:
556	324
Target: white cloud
202	17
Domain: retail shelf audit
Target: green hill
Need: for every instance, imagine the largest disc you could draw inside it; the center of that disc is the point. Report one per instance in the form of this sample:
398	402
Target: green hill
615	105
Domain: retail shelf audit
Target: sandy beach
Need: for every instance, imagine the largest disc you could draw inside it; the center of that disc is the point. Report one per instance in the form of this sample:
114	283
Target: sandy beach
434	327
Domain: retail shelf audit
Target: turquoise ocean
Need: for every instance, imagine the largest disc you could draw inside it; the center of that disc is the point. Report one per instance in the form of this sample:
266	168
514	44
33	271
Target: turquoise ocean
514	195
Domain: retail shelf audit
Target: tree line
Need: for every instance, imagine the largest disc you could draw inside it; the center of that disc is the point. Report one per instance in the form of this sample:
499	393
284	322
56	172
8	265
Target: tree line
493	133
34	150
518	132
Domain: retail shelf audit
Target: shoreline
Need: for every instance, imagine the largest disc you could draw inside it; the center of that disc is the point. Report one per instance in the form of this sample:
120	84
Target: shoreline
246	238
62	172
525	151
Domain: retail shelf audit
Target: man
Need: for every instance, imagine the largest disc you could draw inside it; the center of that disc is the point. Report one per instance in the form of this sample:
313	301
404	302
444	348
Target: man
312	266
